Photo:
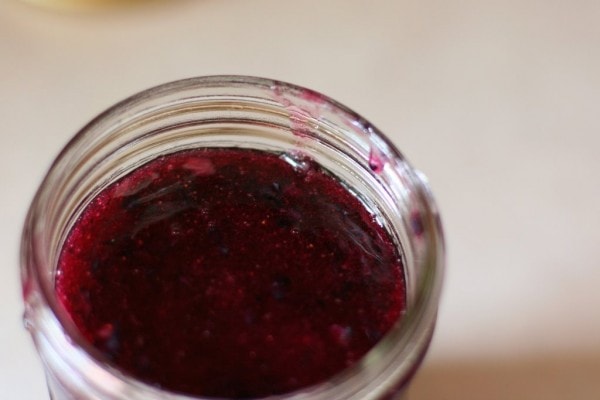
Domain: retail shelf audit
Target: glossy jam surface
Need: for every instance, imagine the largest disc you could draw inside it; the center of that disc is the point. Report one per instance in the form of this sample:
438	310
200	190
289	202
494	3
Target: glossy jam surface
230	273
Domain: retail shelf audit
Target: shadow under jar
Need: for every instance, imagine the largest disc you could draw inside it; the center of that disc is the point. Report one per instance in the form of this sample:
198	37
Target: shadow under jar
231	237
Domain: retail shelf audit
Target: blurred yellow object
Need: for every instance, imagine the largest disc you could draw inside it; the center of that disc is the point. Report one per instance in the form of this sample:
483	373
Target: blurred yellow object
85	4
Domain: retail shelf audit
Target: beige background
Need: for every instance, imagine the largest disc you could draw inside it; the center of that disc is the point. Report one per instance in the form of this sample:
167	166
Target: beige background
498	102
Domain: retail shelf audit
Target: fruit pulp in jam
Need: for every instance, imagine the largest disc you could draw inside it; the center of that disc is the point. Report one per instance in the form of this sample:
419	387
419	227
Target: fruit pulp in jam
230	273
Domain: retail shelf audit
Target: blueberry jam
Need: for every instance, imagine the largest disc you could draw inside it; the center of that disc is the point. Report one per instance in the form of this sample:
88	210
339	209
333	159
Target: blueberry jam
230	273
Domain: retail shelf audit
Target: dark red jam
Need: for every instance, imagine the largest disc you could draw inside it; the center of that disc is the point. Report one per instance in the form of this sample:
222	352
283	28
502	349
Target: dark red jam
230	273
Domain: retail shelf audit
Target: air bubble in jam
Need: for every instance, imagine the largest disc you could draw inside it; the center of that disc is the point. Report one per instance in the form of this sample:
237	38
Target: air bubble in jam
230	273
299	161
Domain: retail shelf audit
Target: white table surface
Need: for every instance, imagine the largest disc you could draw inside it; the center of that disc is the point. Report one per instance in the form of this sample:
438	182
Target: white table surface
498	102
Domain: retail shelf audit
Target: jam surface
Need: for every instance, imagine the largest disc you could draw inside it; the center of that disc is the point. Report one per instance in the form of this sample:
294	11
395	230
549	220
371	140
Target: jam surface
230	273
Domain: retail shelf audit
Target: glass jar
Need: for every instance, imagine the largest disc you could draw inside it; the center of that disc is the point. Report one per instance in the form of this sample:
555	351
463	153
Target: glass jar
232	111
